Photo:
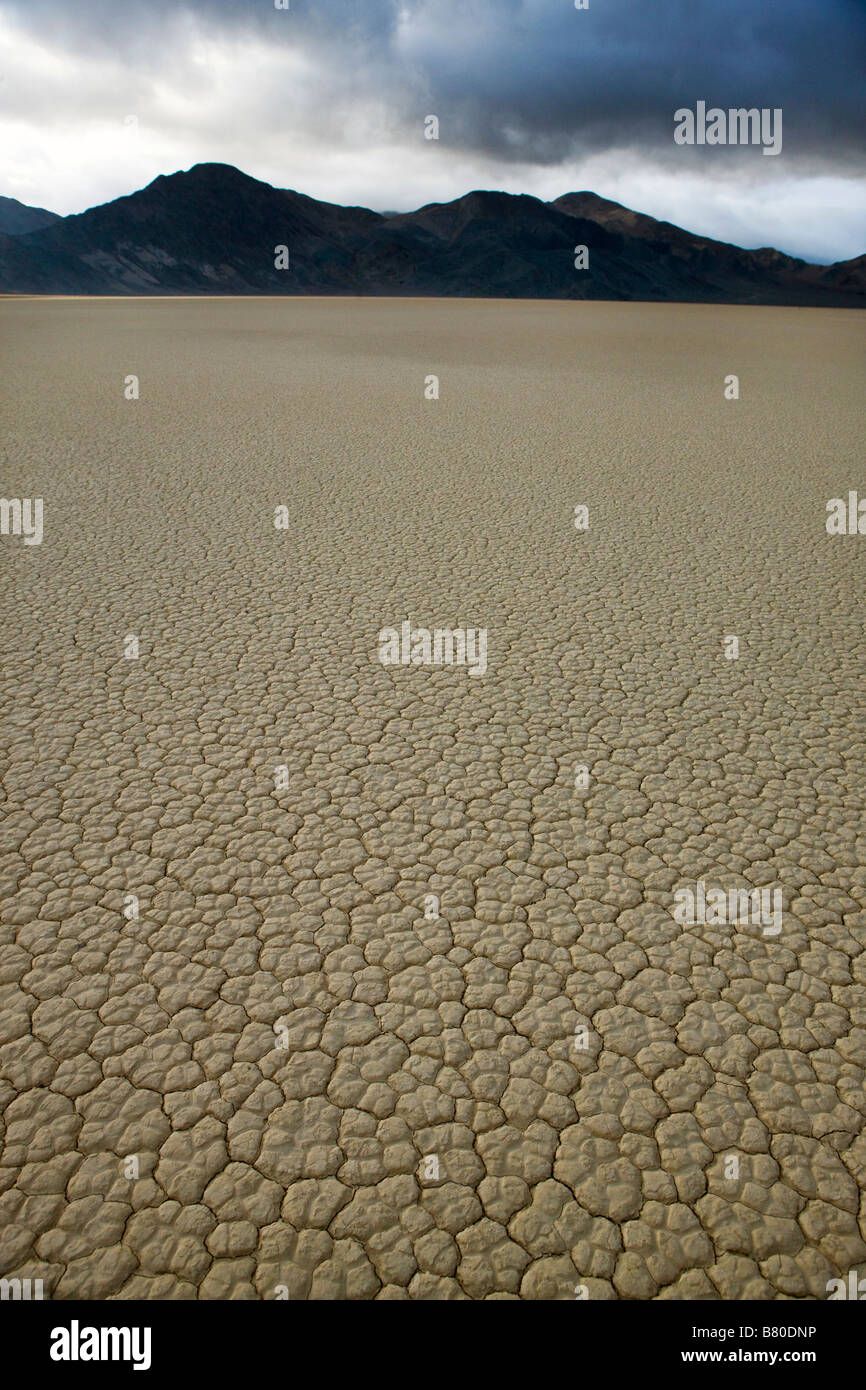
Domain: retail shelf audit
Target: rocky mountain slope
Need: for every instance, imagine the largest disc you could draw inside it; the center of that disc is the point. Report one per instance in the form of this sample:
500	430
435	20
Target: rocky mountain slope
215	230
16	219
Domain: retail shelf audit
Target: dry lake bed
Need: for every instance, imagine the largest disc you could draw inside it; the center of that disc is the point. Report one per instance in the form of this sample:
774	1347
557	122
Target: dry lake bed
333	970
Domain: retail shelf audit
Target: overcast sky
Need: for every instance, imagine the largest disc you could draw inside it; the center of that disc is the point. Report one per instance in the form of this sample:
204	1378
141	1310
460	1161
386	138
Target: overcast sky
329	97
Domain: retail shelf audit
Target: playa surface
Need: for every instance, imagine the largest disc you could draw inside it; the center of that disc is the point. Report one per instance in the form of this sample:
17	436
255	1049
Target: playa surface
281	1067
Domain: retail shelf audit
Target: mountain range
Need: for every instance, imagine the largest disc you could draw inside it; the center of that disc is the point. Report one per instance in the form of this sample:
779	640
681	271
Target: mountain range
216	230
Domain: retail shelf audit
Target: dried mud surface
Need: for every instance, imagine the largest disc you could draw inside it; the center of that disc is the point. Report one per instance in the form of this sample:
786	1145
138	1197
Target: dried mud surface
281	1040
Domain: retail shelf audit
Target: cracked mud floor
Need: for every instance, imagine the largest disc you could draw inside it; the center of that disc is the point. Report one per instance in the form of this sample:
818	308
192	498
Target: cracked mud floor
281	1043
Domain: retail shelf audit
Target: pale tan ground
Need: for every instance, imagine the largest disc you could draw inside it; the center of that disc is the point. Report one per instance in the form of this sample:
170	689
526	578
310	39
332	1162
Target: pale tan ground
302	1168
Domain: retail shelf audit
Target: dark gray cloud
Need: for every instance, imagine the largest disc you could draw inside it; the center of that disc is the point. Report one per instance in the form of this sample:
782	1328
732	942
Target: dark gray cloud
536	79
540	77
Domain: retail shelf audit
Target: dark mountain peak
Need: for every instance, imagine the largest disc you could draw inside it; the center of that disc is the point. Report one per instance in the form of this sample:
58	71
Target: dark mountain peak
481	205
17	219
210	169
583	203
491	200
210	176
670	238
614	216
205	187
845	275
206	180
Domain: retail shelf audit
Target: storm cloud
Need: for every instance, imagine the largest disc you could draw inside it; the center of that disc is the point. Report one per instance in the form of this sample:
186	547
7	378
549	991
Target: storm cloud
531	96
